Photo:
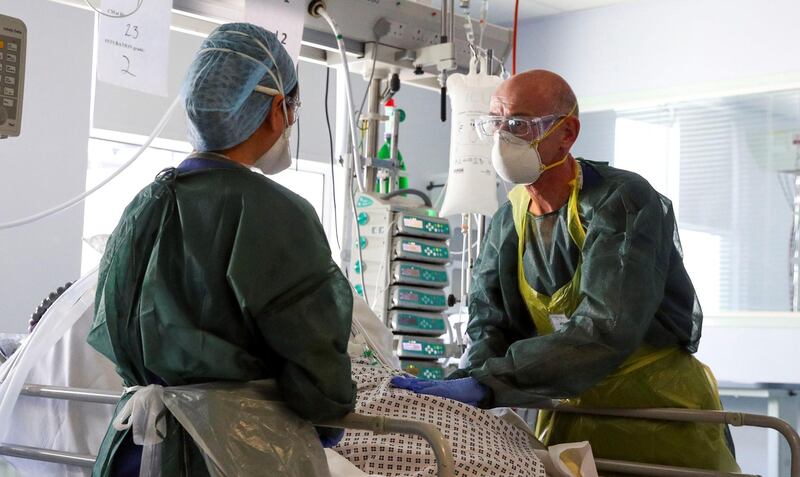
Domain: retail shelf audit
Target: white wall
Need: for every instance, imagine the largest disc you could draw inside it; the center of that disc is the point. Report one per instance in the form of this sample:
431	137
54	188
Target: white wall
656	49
46	164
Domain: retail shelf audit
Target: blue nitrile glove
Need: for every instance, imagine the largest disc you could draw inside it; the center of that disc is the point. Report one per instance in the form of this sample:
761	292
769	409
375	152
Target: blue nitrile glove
330	436
467	390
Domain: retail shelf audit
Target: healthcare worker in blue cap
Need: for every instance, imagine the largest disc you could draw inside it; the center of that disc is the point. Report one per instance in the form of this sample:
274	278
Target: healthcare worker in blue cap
217	273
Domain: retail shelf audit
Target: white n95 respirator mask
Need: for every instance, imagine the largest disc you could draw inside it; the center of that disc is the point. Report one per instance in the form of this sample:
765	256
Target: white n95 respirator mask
517	160
278	158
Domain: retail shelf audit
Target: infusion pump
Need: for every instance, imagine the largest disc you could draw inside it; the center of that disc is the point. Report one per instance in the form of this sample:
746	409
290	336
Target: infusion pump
13	44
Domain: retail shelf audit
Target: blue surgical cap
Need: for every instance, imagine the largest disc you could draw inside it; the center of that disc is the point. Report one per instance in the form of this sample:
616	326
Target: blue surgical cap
218	92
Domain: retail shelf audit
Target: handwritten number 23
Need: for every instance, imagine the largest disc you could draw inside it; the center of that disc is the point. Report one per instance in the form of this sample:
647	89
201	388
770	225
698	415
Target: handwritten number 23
132	31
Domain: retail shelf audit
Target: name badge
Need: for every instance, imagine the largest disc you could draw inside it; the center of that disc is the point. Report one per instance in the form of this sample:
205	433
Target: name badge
558	321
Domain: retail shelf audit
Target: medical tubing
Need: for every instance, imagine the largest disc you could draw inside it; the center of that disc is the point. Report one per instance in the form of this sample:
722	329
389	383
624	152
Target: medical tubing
297	124
440	198
51	329
377	278
469	255
482	22
348	96
514	44
78	199
376	350
425	198
369	81
383	268
461	253
468	28
358	245
333	172
463	270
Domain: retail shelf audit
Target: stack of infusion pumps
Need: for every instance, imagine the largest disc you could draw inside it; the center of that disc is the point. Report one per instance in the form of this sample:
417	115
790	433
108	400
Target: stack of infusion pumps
401	271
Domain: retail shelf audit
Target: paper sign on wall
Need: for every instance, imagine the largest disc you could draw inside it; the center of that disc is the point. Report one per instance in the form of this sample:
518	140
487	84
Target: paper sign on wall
283	17
133	50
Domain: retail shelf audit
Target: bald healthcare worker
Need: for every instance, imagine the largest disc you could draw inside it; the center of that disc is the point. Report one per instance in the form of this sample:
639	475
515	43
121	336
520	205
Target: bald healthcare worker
580	293
217	273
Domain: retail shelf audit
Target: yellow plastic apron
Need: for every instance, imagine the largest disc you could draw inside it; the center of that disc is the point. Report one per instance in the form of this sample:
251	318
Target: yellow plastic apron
649	378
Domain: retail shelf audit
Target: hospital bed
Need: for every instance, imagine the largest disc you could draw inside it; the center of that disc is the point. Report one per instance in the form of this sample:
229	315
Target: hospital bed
439	445
68	313
376	424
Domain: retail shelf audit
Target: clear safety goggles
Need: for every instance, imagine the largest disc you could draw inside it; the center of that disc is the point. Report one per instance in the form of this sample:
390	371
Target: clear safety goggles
529	128
293	105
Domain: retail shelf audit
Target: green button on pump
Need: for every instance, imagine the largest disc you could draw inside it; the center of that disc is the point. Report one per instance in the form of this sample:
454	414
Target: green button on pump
359	290
363	242
364	202
363	218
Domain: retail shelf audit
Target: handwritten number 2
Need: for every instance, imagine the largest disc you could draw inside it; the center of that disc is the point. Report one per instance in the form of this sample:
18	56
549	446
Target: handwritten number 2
126	68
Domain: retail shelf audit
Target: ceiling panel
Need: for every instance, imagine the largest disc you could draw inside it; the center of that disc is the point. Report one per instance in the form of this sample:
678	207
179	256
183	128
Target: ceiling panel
502	11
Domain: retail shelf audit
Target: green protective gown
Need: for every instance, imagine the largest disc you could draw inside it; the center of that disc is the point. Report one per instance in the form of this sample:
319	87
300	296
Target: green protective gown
595	305
221	274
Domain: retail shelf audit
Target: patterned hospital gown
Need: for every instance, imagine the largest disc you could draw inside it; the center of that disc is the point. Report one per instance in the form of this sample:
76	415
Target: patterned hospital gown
483	445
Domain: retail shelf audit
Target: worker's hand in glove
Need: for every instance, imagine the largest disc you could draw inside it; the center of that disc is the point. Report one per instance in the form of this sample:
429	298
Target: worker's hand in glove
329	436
467	390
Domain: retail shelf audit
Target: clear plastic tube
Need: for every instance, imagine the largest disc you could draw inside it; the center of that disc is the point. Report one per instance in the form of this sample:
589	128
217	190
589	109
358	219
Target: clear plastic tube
469	256
78	199
482	23
348	96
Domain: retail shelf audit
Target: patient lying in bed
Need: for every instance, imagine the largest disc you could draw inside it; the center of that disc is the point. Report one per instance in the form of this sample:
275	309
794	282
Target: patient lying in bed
482	444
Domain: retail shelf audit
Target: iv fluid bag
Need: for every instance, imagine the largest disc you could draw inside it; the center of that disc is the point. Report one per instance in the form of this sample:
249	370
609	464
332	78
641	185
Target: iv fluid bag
471	180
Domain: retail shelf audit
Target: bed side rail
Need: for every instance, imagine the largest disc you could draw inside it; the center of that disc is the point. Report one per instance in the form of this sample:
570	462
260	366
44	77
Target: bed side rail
377	424
736	419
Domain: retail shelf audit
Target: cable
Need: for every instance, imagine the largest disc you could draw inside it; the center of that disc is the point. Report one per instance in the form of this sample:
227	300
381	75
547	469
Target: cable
122	15
474	245
418	193
297	149
514	47
330	143
369	82
78	199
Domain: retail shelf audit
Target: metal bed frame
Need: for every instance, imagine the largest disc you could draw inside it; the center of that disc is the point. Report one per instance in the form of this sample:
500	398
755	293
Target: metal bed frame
376	424
441	448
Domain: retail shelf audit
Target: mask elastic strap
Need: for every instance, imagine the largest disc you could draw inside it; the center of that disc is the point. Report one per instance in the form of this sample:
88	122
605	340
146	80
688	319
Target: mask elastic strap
556	164
554	127
259	88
